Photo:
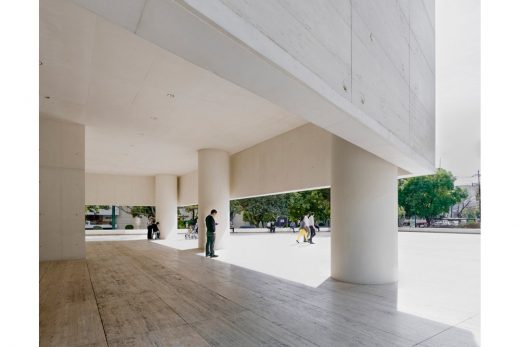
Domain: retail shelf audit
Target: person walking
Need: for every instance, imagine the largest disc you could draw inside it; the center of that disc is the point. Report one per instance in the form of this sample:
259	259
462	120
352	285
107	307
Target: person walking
311	227
210	234
303	232
307	223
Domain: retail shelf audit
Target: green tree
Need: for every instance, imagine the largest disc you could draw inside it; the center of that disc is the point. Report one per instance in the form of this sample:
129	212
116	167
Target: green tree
401	213
95	208
298	205
194	210
234	208
317	201
470	213
262	209
429	196
139	211
191	219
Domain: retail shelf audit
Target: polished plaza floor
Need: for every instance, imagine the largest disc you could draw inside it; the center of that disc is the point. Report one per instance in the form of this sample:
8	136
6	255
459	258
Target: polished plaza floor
140	293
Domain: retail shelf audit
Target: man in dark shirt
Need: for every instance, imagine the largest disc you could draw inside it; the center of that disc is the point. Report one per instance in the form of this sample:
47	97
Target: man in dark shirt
151	220
210	235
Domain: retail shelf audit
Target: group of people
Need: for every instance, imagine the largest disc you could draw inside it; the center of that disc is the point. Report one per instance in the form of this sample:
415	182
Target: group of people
307	231
307	228
153	228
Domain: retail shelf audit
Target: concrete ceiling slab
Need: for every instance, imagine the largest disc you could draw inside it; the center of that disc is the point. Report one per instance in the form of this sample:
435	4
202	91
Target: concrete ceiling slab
146	110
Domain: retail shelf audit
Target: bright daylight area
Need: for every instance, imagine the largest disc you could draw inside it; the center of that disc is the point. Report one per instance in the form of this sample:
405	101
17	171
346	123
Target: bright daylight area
237	173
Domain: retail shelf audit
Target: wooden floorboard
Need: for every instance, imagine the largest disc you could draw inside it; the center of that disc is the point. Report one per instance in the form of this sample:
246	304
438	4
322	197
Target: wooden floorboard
138	293
68	310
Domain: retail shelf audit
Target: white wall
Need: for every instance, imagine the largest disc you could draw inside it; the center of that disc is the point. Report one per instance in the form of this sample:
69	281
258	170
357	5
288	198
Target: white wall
62	190
119	190
296	160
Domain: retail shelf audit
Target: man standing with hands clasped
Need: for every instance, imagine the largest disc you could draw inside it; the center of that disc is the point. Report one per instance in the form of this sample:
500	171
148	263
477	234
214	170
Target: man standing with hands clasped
210	234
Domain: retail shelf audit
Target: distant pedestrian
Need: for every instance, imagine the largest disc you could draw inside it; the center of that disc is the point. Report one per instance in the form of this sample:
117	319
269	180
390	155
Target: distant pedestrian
311	227
272	227
210	234
155	230
307	225
151	221
292	225
303	232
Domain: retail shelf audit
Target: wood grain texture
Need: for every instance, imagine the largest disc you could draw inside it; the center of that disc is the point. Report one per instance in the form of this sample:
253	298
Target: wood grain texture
68	311
138	293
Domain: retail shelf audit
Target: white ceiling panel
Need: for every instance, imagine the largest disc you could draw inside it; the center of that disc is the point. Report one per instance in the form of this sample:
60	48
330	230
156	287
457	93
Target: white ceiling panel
146	110
115	55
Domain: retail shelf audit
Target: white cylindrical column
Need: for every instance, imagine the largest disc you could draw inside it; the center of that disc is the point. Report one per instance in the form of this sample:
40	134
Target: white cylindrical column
166	204
364	216
213	176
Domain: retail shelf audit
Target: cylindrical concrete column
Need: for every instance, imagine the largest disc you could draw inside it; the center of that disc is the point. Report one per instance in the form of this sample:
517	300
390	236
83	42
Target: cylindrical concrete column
213	177
166	204
364	216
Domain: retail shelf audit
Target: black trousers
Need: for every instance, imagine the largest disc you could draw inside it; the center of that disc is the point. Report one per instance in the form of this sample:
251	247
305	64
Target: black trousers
313	232
210	244
149	232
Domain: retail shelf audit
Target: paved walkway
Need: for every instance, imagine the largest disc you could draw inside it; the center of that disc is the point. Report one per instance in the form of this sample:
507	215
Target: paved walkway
441	230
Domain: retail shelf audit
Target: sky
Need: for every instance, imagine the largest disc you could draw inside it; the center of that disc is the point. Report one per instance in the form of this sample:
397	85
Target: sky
458	87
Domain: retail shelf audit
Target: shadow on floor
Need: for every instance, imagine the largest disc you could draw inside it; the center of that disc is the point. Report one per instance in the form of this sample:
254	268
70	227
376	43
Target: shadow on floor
146	294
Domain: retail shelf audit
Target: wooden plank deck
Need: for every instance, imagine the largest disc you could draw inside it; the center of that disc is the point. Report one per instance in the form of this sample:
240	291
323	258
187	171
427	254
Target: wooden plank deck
138	293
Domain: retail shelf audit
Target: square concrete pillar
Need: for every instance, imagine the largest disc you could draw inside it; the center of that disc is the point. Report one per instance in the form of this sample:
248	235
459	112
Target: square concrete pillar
62	190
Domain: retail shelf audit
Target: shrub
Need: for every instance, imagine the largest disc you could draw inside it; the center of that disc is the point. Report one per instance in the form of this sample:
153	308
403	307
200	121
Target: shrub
472	225
129	226
97	227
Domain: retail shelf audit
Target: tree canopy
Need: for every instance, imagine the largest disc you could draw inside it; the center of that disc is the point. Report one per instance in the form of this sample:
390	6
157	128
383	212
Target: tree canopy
139	211
429	196
192	219
95	208
294	205
261	209
317	201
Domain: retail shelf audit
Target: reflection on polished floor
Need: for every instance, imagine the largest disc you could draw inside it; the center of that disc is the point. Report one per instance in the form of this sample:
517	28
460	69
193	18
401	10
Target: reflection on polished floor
139	293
